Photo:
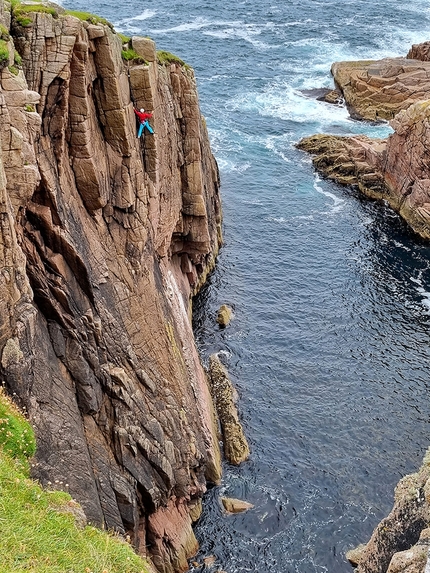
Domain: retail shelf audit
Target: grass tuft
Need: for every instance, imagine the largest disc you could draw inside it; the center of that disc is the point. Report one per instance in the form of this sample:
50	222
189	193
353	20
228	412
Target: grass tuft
88	17
132	56
4	33
124	39
38	529
164	58
17	59
22	13
4	54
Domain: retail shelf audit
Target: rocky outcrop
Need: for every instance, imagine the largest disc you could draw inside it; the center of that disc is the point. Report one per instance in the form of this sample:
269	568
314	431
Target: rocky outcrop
396	170
236	447
224	315
400	543
376	90
233	505
104	239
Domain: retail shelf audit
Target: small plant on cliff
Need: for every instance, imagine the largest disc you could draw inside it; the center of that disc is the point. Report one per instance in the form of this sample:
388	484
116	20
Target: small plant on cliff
4	54
164	58
38	527
124	39
17	59
88	17
16	435
21	12
4	33
131	55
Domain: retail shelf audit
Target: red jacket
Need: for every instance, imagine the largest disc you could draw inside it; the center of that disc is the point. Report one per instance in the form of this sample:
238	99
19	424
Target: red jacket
142	116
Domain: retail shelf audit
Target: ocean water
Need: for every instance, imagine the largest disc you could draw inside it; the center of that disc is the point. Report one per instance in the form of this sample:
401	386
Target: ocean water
329	346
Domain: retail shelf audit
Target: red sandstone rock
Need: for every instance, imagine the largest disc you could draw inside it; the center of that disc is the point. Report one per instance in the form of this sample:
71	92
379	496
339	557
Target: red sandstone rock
96	227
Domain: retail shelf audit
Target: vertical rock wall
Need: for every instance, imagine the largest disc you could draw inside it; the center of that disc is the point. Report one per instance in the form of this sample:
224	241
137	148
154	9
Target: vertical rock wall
104	238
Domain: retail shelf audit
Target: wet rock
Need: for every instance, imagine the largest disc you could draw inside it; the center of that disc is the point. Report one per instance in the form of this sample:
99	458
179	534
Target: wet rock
236	447
355	555
392	169
224	316
232	505
400	542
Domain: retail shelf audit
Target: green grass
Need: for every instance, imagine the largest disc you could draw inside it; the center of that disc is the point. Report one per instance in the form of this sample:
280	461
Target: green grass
124	39
16	435
4	33
131	55
38	533
22	12
88	17
164	57
4	54
17	59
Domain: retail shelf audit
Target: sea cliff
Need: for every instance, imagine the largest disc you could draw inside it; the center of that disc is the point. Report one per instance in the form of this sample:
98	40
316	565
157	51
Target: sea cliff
396	170
104	239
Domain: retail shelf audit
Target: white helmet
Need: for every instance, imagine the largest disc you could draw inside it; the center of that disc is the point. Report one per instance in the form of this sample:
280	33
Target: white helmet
142	110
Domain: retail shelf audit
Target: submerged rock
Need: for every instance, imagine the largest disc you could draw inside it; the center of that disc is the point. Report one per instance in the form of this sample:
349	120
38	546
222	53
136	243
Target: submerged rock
236	447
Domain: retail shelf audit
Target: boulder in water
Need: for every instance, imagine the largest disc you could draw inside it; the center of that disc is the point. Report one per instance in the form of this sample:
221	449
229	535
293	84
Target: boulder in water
224	315
232	505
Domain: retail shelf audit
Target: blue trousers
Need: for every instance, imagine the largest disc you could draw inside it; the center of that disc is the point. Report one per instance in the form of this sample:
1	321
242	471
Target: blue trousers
142	126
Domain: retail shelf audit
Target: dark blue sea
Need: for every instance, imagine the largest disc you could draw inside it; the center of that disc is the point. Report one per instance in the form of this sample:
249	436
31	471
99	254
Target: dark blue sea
329	347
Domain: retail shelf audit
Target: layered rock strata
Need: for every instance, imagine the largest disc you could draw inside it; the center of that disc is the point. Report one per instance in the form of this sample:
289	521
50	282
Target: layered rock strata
104	239
379	89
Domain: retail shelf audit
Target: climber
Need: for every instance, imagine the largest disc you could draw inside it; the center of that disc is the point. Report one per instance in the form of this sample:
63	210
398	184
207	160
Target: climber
143	118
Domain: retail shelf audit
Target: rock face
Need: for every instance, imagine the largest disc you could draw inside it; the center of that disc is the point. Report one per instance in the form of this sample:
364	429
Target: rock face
104	238
400	543
397	170
376	90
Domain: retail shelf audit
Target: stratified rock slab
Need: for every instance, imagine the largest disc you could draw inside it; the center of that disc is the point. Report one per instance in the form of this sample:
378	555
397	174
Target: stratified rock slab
378	90
233	505
236	447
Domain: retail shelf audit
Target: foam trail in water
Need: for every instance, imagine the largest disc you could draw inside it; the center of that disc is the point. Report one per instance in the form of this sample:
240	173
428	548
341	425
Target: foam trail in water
145	15
338	203
197	24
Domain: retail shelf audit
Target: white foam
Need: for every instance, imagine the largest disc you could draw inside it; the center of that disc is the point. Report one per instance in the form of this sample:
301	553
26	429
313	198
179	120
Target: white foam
338	203
145	15
198	24
425	298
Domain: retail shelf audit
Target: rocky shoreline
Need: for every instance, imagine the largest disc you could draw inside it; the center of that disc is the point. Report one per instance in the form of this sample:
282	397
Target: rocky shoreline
396	170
